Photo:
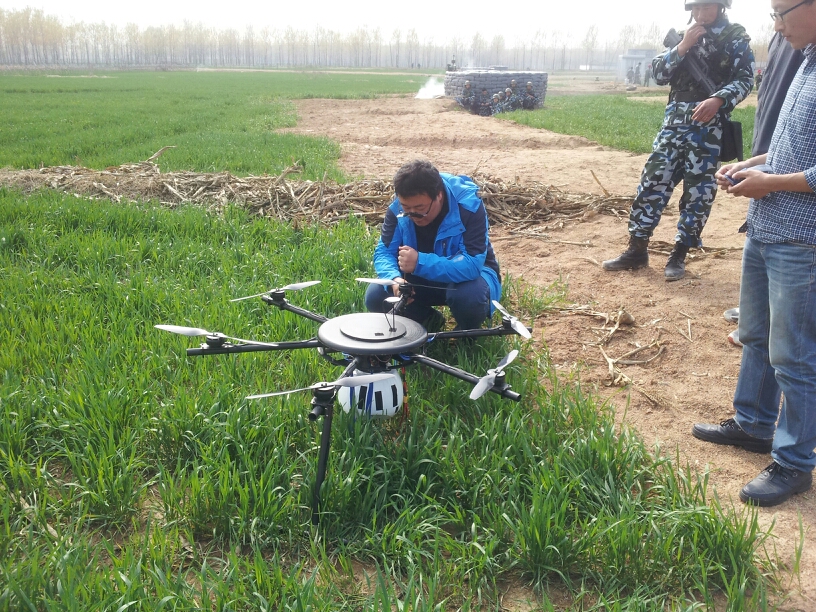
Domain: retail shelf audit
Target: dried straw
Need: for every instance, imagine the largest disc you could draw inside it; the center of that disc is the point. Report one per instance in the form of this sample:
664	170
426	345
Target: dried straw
511	204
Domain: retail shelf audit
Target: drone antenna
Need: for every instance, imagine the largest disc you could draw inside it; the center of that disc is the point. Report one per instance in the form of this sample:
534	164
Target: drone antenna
396	302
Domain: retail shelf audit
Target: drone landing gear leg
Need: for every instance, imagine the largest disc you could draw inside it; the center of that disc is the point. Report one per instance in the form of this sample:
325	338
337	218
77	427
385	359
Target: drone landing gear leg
323	402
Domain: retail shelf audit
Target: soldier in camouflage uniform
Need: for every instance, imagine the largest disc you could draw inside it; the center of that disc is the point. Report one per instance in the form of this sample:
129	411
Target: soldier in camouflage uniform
502	105
514	88
495	105
689	143
513	101
466	99
529	100
483	106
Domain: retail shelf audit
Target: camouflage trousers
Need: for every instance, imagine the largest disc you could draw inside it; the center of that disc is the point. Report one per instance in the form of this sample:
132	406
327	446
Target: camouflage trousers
690	153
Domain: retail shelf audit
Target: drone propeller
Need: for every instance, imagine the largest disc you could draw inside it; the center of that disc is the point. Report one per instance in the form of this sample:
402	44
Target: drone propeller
385	282
346	381
487	381
197	331
185	331
292	287
517	325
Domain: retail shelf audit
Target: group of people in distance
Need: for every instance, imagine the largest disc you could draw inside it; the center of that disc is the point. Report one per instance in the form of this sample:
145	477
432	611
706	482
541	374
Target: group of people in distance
435	231
633	75
487	104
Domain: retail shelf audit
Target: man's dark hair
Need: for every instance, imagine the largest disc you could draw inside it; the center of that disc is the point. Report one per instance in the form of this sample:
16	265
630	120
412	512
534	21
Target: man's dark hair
418	177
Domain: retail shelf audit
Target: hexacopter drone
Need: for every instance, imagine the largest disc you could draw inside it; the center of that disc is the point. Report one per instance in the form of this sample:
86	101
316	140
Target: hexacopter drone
372	347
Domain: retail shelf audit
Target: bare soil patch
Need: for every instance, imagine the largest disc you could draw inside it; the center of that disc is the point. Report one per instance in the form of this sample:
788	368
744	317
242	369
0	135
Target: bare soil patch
694	377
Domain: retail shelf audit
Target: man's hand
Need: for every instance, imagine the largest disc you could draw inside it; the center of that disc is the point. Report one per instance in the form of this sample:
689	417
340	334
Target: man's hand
690	38
752	184
705	110
407	259
395	288
728	170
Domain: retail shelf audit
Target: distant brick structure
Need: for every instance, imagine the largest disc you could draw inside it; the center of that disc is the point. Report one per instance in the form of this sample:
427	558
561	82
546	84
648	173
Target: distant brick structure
495	79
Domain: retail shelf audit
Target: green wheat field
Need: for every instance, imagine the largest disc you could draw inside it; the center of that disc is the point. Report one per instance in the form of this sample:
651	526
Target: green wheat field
134	477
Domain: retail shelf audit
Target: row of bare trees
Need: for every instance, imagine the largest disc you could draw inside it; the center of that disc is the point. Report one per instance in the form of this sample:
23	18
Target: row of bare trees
30	38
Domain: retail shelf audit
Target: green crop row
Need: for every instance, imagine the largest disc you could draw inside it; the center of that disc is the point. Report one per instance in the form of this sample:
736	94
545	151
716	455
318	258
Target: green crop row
216	120
613	120
134	477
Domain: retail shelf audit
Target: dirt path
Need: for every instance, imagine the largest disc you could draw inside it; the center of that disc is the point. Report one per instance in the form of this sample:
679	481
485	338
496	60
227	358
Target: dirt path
693	379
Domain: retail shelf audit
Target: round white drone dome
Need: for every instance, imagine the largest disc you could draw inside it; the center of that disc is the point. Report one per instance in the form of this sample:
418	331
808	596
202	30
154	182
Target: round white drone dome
380	399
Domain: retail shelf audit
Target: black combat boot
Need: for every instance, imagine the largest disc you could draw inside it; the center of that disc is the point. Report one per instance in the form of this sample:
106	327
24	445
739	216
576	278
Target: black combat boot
634	257
676	266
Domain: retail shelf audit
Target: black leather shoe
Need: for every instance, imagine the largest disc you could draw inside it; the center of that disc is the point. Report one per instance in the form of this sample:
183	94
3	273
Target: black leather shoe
636	256
728	432
774	485
676	266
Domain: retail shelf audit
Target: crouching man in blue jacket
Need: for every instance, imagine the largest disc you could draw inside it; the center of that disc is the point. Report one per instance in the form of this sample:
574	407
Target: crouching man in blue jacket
435	234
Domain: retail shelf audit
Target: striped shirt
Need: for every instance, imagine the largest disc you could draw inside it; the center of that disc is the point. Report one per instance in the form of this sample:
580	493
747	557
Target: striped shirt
790	216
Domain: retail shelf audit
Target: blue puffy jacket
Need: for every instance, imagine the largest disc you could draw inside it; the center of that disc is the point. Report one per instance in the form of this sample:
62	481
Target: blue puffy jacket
462	250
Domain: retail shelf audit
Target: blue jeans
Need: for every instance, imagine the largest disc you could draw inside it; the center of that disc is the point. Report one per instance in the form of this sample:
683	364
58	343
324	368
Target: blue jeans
777	327
469	302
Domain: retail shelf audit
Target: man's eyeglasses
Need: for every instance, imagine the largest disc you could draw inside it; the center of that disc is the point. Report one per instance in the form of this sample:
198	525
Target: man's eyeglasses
781	16
418	215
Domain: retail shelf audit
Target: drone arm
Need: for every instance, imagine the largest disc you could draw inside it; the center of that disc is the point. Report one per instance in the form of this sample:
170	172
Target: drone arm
277	299
227	349
462	375
475	333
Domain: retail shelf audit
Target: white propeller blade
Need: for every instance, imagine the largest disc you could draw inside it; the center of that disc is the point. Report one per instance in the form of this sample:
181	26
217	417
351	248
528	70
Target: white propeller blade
346	381
299	286
292	287
184	331
487	381
197	331
249	297
483	386
517	325
378	281
508	359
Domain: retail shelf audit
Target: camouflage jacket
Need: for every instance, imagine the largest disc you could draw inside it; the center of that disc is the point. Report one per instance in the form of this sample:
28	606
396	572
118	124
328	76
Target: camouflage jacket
512	103
731	65
483	103
468	96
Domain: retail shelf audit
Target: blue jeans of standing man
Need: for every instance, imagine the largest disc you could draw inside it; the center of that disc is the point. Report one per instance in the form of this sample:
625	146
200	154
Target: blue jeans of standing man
777	327
469	302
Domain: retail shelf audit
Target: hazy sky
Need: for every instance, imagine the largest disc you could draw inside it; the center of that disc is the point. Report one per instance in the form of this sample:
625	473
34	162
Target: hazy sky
436	19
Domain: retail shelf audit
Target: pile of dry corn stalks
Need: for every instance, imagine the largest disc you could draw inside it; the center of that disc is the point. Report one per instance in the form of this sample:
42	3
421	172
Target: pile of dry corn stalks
512	205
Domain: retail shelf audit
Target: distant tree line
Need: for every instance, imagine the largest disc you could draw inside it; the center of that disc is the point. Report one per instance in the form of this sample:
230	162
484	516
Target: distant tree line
30	38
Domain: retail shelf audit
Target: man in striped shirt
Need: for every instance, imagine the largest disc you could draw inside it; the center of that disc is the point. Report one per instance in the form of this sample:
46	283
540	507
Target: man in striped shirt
777	323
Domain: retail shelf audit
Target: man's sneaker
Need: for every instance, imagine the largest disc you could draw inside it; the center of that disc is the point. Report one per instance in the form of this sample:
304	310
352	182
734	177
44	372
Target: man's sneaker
733	338
775	484
434	322
731	434
732	315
